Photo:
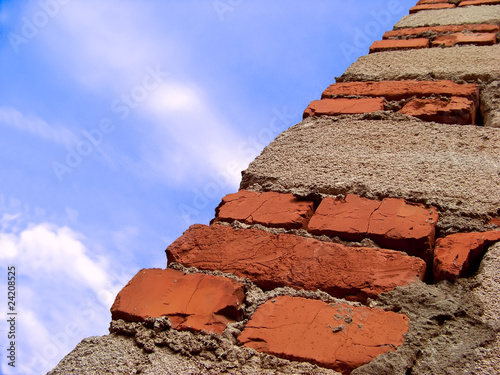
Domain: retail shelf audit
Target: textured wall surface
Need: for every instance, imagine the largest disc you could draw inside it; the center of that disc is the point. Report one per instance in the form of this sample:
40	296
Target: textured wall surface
363	240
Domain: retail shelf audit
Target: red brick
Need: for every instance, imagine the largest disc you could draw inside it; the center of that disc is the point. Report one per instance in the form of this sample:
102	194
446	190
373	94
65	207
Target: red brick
398	90
192	302
495	221
392	223
336	336
478	2
457	110
271	209
416	31
343	106
432	2
277	260
478	39
398	44
418	8
459	255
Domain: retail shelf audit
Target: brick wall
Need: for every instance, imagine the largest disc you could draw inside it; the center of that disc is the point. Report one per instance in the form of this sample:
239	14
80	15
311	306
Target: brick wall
356	240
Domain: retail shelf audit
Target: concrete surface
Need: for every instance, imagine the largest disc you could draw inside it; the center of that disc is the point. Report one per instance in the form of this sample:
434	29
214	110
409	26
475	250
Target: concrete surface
454	168
467	63
490	104
456	16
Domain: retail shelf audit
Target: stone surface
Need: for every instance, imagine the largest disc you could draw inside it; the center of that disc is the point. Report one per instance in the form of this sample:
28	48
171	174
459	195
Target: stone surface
430	6
398	44
446	336
333	107
458	255
276	260
488	293
172	353
398	90
195	302
477	39
416	31
469	63
270	209
456	110
337	336
490	104
457	16
453	168
392	223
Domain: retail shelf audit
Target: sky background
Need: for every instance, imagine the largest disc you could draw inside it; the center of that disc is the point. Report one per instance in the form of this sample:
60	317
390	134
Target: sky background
124	122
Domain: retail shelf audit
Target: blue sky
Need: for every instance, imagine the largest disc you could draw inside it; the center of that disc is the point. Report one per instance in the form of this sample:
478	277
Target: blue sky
124	122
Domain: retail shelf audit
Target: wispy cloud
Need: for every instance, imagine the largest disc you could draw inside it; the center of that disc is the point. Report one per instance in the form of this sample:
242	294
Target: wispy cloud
53	264
35	126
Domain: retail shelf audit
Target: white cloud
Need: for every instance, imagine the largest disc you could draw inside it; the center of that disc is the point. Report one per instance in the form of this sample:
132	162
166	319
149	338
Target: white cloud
31	124
206	143
183	137
63	292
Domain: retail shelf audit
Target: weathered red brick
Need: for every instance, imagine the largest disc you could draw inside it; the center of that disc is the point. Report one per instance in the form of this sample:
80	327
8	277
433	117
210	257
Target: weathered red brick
271	209
478	2
478	39
343	106
195	302
457	110
398	44
458	255
418	8
432	2
398	90
336	336
495	221
416	31
392	223
276	260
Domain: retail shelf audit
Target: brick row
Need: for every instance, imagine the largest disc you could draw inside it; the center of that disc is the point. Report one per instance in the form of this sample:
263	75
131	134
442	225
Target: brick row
391	223
440	30
338	336
278	260
455	103
445	4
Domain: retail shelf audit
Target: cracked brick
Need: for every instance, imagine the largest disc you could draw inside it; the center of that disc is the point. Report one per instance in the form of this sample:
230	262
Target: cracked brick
277	260
337	336
192	302
270	209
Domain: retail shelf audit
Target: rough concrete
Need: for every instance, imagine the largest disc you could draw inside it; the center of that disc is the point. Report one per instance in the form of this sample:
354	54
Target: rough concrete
490	104
488	293
447	335
456	16
143	349
454	168
465	63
